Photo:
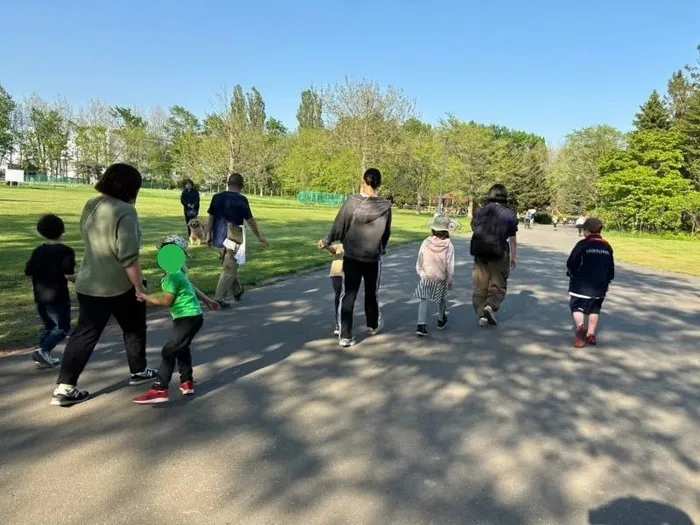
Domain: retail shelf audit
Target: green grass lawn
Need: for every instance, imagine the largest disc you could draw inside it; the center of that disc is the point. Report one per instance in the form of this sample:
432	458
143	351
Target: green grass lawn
671	255
291	229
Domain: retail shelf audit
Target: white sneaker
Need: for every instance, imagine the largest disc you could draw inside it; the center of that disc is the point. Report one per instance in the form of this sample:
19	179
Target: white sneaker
346	343
380	326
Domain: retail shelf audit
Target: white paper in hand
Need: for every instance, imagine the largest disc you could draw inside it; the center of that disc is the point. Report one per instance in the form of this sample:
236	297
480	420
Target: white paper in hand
240	255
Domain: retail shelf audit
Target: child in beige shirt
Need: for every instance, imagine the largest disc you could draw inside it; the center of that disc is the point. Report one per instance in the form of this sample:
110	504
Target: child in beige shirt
336	277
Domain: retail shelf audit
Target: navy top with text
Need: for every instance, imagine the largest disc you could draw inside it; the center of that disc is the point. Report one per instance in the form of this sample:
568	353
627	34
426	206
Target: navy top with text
591	267
48	266
228	207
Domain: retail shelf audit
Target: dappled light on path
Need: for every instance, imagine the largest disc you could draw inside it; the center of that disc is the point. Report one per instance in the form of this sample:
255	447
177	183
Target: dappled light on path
468	426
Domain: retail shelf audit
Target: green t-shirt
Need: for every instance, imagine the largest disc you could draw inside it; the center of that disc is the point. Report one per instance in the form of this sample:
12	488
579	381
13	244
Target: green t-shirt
186	303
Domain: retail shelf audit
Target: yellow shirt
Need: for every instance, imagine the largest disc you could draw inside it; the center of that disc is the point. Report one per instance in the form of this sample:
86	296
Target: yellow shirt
337	264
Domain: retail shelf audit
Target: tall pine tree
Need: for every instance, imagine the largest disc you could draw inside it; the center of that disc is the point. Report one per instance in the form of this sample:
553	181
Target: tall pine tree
653	115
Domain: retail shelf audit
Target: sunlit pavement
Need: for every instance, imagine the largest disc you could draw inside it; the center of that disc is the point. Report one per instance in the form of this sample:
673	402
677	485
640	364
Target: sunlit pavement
498	426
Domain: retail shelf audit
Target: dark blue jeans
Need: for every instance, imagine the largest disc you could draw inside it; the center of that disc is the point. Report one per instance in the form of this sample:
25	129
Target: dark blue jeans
56	320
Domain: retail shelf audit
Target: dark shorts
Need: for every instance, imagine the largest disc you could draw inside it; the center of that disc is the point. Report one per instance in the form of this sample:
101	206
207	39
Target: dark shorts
586	306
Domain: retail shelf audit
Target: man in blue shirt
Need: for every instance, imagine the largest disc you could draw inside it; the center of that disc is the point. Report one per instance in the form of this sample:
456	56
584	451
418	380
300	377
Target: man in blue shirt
228	212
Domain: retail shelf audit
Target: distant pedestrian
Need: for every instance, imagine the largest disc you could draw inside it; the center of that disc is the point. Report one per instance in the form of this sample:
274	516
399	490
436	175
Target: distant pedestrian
494	247
51	266
229	212
363	225
579	224
336	276
555	221
107	282
590	268
189	198
436	268
182	297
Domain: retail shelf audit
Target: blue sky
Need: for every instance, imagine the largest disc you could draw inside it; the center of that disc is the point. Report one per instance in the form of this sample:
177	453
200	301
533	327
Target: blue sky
540	65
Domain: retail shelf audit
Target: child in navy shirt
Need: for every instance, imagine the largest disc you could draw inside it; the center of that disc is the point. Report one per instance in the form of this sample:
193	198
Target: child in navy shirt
51	266
591	267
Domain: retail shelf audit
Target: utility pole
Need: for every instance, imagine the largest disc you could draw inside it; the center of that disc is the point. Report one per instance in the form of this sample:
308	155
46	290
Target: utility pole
442	176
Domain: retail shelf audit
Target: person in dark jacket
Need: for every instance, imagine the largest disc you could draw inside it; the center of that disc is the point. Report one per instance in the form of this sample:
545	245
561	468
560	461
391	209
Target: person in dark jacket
494	247
590	268
190	202
363	225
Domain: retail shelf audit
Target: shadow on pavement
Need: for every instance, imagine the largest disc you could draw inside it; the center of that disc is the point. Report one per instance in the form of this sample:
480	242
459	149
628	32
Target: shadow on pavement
633	511
482	426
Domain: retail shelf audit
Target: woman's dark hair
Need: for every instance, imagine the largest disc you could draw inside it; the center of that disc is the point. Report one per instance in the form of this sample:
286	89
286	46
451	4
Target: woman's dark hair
186	182
498	193
441	234
373	178
120	181
51	227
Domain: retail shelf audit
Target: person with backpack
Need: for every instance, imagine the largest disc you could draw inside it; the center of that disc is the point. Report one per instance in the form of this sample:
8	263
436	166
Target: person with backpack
494	248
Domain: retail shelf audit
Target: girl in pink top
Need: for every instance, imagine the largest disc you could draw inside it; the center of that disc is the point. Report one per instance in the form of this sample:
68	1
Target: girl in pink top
436	269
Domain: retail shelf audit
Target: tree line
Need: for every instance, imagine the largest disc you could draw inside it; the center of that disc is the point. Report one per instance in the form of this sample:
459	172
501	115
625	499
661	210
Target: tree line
644	180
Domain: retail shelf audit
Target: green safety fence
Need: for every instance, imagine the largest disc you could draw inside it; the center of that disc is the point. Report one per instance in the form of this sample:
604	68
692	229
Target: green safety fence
321	199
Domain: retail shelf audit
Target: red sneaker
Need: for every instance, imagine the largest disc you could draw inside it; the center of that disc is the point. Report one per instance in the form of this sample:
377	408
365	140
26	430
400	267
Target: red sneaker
591	340
151	397
187	388
580	337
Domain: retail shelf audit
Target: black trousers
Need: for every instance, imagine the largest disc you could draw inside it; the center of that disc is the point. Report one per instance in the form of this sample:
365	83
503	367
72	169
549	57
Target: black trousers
177	349
337	283
353	273
92	320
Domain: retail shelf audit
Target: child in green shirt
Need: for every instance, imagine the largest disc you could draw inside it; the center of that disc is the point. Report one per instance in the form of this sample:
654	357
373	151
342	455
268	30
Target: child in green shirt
182	297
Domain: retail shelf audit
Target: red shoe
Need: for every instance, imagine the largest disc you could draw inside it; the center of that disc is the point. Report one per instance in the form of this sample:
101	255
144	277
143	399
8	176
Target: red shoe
580	337
187	388
591	340
151	397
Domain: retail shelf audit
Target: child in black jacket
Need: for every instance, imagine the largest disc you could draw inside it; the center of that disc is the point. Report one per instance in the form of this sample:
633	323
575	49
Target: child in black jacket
591	267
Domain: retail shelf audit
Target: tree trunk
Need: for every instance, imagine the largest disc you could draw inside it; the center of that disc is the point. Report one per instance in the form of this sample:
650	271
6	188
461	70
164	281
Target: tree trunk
470	208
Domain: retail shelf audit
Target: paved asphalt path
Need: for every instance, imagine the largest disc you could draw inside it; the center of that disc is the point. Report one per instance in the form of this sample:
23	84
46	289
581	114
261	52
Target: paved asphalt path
470	426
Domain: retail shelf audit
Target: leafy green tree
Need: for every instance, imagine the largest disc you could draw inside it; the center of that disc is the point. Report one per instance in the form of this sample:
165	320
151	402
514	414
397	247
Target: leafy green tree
44	132
366	118
679	91
653	115
310	112
576	168
256	111
132	133
7	107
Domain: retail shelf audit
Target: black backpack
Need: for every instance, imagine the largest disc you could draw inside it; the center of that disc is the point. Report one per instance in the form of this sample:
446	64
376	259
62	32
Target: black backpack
488	236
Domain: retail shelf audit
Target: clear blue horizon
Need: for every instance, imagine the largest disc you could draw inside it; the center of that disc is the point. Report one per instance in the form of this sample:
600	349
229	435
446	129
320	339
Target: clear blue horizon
537	66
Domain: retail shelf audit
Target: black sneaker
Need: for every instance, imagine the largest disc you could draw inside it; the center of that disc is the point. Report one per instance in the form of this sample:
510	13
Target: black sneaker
442	323
421	330
224	305
72	397
44	360
490	316
143	377
238	296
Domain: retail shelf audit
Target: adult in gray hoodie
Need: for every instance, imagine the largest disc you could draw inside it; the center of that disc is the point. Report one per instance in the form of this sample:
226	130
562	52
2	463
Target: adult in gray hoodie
363	225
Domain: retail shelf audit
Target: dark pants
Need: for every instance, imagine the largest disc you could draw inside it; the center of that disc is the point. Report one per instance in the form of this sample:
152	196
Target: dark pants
92	320
178	349
187	223
353	274
490	283
337	283
56	320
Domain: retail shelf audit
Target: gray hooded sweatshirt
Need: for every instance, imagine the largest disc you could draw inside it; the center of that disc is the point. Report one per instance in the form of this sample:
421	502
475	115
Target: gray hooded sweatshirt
363	225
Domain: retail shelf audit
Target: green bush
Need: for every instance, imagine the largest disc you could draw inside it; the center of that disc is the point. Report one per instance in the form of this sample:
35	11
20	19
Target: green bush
543	218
